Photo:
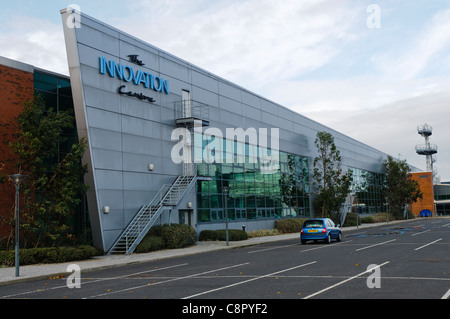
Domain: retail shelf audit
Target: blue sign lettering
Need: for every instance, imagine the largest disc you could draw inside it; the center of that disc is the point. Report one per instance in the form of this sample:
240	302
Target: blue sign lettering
127	74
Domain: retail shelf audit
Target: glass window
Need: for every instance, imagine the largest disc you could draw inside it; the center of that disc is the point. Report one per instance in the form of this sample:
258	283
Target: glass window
203	215
252	194
45	82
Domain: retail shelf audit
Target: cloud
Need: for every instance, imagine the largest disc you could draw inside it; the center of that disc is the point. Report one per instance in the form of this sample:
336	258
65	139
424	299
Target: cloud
253	43
392	128
35	41
414	59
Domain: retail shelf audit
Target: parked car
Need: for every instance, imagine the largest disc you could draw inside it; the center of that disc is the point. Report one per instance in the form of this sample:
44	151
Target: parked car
320	229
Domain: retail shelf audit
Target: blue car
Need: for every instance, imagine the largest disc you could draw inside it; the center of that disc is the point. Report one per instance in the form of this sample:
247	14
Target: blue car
320	229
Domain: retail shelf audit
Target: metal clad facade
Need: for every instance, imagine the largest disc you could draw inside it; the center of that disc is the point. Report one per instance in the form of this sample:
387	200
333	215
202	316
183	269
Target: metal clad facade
126	134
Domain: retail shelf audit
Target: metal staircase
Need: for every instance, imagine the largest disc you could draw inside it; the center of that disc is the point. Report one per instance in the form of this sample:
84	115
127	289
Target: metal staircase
168	197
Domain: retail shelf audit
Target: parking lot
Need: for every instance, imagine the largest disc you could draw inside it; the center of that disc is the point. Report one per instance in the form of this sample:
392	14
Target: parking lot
402	261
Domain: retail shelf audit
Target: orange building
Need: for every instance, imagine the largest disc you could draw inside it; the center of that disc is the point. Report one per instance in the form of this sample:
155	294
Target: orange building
425	180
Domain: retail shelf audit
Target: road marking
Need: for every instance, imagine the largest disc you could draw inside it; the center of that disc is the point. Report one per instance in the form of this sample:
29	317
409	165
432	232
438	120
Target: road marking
344	281
426	231
428	244
271	248
85	282
246	281
161	282
325	246
446	295
385	242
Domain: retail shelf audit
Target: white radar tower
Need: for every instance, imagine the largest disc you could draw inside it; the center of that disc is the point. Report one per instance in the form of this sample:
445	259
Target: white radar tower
426	149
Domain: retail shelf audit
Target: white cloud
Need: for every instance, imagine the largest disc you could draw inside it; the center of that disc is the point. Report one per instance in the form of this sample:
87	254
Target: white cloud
419	54
252	43
392	128
35	41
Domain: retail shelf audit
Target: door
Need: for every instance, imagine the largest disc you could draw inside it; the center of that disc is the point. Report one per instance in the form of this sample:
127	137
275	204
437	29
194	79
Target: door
185	216
186	103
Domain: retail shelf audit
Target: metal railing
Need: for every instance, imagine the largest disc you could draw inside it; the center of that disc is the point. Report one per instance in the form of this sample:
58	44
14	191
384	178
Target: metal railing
168	196
426	149
190	109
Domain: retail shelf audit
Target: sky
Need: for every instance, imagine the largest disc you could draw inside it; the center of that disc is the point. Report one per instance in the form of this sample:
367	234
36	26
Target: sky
371	69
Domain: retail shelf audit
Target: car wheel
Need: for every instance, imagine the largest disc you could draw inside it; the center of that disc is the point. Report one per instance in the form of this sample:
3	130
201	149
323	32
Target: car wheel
339	238
328	240
303	242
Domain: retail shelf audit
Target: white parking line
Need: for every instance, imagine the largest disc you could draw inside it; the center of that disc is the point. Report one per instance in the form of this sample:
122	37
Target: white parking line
426	231
344	281
91	281
246	281
160	282
447	295
271	248
385	242
428	244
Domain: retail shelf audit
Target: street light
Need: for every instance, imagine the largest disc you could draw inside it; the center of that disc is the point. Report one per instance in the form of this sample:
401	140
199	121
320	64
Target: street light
17	180
225	190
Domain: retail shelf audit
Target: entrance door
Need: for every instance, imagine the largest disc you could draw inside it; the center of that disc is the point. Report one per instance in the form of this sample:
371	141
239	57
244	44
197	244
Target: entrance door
185	216
186	103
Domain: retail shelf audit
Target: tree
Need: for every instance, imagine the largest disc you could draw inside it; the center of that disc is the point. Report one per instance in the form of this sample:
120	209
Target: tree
54	184
331	184
399	187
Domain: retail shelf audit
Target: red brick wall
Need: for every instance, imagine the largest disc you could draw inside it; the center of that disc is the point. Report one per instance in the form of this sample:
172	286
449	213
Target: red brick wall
16	87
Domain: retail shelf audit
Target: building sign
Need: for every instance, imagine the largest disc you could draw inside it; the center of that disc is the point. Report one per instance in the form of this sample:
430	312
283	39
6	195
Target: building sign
136	77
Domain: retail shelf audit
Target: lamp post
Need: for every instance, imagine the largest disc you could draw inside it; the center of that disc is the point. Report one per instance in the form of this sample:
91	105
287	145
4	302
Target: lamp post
17	180
309	202
387	210
225	190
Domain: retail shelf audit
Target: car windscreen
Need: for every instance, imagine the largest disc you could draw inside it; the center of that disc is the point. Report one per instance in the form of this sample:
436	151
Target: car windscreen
313	224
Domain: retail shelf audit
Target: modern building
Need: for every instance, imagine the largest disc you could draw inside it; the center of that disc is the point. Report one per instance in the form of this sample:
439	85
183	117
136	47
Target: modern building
425	206
169	142
442	198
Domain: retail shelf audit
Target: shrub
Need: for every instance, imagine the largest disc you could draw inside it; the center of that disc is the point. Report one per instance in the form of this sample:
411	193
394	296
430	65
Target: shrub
206	235
350	220
178	236
263	233
367	220
220	235
290	225
150	243
167	237
30	256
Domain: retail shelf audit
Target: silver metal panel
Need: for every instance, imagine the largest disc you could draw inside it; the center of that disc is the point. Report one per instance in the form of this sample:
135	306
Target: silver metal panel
205	81
70	35
107	160
104	139
230	105
178	70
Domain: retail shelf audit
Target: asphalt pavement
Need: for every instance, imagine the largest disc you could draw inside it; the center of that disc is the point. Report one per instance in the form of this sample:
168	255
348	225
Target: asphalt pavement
44	271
